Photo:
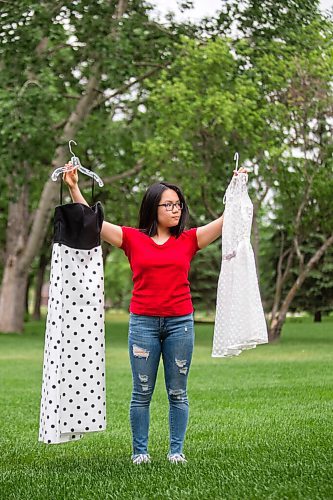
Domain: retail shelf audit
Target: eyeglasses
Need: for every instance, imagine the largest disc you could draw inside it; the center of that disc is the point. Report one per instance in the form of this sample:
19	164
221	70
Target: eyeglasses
169	206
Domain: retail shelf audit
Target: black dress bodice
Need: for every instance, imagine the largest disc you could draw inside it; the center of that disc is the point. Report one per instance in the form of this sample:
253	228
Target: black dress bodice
77	225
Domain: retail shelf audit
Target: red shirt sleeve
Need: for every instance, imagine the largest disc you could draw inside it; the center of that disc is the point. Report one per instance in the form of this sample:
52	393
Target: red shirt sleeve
126	244
192	233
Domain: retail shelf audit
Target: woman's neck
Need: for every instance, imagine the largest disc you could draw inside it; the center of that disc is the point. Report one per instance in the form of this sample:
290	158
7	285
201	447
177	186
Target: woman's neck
162	233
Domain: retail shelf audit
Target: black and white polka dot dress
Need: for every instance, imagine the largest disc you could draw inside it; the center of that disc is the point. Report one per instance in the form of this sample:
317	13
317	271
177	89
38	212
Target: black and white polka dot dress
73	399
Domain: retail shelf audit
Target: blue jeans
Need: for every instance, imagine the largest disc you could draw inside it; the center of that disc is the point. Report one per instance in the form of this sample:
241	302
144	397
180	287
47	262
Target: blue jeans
149	337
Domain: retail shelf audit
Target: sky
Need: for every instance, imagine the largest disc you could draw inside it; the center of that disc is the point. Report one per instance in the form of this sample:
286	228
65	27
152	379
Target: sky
201	8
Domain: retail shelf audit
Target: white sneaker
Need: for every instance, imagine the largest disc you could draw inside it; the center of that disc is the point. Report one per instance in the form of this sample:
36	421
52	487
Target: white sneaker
176	457
141	458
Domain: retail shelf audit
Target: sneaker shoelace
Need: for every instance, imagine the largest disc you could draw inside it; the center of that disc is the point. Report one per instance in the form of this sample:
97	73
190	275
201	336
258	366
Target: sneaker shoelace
177	457
141	458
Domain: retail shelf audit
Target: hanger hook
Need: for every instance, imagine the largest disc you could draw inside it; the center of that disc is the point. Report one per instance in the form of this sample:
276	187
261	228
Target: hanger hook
236	157
69	145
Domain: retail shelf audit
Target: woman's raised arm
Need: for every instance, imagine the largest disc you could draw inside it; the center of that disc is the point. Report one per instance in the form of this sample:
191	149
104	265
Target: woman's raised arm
209	232
72	180
112	233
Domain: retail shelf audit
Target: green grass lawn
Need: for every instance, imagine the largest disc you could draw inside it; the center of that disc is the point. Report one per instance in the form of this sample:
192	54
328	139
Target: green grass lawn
260	424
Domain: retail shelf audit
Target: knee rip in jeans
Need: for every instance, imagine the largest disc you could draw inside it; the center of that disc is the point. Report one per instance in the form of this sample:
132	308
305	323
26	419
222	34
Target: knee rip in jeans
144	380
177	393
181	363
140	352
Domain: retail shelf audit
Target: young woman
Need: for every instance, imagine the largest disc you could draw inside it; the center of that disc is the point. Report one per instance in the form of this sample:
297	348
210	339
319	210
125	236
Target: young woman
161	311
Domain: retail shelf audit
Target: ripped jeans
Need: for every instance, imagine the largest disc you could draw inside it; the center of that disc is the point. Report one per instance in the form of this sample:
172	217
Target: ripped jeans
149	337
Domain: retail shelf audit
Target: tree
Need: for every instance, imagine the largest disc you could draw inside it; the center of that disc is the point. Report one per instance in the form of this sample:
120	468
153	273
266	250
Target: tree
317	297
73	64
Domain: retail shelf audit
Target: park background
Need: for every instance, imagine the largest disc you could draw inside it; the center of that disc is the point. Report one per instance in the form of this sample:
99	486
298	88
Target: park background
150	99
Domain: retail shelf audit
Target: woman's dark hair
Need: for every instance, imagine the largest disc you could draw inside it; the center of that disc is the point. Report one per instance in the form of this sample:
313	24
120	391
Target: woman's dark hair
149	207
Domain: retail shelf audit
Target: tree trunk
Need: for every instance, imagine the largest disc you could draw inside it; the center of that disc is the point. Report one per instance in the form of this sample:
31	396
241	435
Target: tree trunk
29	280
12	302
274	331
281	276
43	261
317	317
15	278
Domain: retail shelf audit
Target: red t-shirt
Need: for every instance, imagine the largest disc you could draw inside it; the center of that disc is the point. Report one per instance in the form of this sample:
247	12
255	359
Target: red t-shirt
160	272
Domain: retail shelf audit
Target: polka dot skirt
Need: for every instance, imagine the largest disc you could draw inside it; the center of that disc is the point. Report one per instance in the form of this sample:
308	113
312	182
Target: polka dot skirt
73	388
239	320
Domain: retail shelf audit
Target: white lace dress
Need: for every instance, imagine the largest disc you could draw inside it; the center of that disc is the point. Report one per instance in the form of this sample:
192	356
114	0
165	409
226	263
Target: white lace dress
239	320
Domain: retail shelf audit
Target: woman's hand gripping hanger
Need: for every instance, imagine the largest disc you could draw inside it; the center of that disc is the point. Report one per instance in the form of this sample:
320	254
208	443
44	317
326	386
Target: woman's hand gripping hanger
75	161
